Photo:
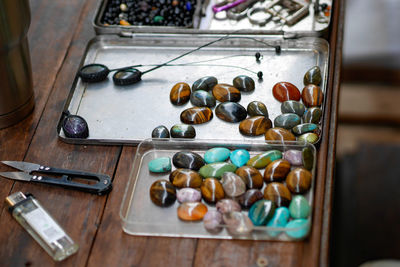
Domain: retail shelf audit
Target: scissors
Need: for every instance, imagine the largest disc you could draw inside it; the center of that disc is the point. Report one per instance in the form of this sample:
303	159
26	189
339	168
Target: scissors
31	172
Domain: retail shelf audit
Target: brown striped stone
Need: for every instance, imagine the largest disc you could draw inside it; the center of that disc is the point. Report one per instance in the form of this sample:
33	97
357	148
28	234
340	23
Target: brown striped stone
212	190
312	95
255	126
299	180
279	134
276	170
181	178
226	93
251	177
196	115
180	94
278	193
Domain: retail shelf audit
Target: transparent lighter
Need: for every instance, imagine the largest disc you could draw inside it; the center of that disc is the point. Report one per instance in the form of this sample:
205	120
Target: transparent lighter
41	226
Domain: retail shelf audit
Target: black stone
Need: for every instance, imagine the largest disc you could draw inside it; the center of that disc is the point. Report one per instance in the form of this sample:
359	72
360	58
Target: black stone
206	83
188	160
201	98
183	131
160	132
231	112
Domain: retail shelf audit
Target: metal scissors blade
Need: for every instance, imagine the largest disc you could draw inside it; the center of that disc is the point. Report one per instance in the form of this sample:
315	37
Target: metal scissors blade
22	166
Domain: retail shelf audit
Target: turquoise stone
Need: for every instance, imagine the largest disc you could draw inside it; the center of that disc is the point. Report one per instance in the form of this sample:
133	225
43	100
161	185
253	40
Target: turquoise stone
215	170
299	207
302	227
261	212
304	128
287	120
312	115
308	158
160	165
292	106
280	219
217	154
239	157
262	160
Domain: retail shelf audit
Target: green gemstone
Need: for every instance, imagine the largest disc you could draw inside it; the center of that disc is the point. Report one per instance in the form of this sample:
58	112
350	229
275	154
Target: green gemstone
216	169
313	76
312	115
304	128
308	158
262	160
311	138
299	207
160	165
158	19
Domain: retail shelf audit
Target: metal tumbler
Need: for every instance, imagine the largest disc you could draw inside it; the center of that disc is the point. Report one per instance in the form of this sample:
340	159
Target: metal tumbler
16	86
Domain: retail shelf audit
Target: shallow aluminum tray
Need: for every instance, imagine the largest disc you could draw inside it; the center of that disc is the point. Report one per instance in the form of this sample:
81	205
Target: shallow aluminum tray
127	115
141	217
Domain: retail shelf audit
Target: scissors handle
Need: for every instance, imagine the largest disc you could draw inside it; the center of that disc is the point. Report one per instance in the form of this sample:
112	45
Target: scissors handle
217	8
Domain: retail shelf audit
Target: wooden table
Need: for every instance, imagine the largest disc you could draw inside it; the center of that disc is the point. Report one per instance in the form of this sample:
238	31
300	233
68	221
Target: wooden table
58	36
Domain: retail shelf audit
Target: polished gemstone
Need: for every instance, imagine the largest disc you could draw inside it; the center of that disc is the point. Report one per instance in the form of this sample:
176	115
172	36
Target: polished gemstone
244	83
261	212
287	121
162	164
239	157
226	93
160	132
284	91
280	219
292	106
188	160
295	157
180	94
279	134
231	112
250	197
308	158
188	195
196	115
216	154
216	169
192	211
212	221
299	180
298	228
313	76
74	126
257	108
233	185
304	128
312	115
276	170
255	126
205	83
183	131
299	207
162	193
212	190
227	205
262	160
311	138
278	193
181	178
201	98
237	223
312	95
250	176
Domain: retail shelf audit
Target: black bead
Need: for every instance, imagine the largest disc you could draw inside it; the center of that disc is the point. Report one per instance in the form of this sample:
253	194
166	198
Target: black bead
258	56
278	49
260	74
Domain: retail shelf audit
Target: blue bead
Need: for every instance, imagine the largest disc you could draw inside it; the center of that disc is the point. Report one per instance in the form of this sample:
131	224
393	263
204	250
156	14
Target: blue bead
280	219
188	6
217	154
160	165
304	226
240	157
261	212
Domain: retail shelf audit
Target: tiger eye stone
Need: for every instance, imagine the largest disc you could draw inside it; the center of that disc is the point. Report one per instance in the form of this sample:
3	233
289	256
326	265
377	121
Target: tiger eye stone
188	160
313	76
180	94
205	83
262	160
299	180
212	190
312	95
312	115
227	205
233	185
251	177
257	108
201	98
279	134
182	131
276	171
308	158
244	83
192	211
181	178
295	107
250	197
160	132
284	91
278	193
287	121
231	112
304	128
255	126
311	138
196	115
162	193
226	93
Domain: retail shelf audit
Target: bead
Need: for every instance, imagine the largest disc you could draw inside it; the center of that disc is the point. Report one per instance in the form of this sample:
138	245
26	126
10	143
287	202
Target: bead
159	165
257	108
180	94
261	212
284	91
239	157
160	132
312	95
212	190
188	160
276	170
262	160
162	193
196	115
216	154
251	177
226	93
183	131
255	126
212	221
250	197
227	205
279	134
185	178
244	83
192	211
216	169
188	195
231	112
287	121
299	180
278	193
299	207
233	185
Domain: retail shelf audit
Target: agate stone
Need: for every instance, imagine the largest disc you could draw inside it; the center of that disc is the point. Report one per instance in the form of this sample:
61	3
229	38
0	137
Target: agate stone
308	158
188	195
233	185
257	108
158	165
312	115
313	76
295	157
201	98
244	83
287	120
312	95
183	131
298	228
162	193
299	180
231	112
181	178
280	219
250	197
276	170
180	94
299	207
160	132
216	169
278	193
216	154
262	160
311	138
284	91
192	211
239	157
212	190
237	223
226	93
212	221
196	115
227	205
295	107
304	128
261	212
251	177
205	83
188	160
279	134
255	126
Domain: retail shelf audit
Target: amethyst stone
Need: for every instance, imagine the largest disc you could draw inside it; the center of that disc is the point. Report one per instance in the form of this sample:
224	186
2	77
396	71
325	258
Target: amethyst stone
75	126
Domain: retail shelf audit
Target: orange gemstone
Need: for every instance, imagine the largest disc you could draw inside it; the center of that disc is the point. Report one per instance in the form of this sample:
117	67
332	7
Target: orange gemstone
192	211
284	91
312	95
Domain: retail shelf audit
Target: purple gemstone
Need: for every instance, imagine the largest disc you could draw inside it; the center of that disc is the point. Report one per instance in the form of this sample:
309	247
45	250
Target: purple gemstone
75	126
212	221
294	157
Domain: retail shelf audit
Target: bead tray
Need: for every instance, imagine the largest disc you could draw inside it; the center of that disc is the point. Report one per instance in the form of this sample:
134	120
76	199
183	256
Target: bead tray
143	218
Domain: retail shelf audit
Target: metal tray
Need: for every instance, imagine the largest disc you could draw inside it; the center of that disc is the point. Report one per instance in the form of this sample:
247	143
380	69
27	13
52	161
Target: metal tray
141	217
127	115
